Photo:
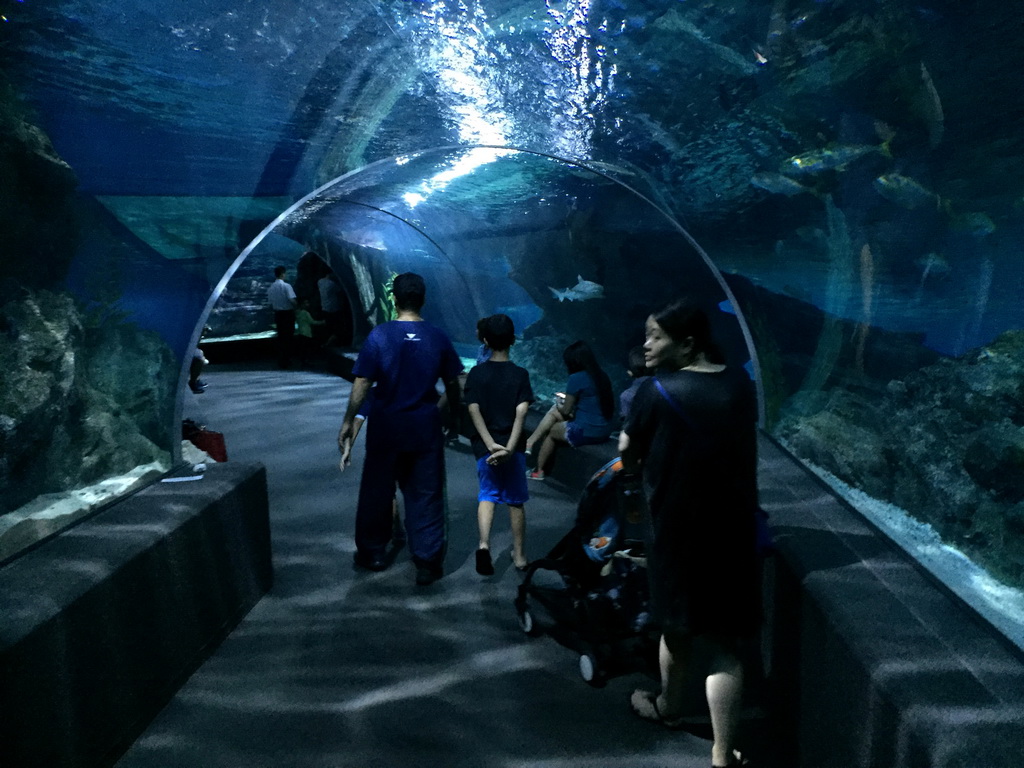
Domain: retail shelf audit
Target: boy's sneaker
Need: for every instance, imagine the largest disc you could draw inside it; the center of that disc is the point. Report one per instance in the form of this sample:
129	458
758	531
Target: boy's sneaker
535	475
484	566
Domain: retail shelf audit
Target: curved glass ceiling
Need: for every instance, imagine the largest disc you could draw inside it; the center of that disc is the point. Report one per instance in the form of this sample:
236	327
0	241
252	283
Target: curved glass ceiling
561	248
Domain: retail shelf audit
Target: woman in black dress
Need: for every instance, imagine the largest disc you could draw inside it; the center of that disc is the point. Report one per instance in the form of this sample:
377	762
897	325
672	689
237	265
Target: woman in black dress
692	432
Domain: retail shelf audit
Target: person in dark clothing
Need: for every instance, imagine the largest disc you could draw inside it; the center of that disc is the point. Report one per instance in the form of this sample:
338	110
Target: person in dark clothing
283	302
404	357
581	415
195	369
499	395
332	304
398	534
692	431
638	372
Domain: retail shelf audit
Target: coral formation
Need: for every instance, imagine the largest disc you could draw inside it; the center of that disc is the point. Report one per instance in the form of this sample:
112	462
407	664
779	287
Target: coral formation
945	443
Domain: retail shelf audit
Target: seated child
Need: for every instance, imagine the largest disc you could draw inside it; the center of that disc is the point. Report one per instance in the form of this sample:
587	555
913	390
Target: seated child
638	371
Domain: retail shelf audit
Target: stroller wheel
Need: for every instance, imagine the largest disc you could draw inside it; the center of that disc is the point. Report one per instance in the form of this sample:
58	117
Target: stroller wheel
526	622
591	671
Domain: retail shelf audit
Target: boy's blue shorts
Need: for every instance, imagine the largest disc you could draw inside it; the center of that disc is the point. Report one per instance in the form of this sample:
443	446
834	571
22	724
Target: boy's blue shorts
504	483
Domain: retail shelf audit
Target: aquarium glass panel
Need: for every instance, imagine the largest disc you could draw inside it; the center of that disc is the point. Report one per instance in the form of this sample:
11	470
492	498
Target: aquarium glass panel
852	169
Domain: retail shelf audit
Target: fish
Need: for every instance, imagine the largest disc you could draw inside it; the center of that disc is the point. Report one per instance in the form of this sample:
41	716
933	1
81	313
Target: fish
867	281
884	131
867	292
932	264
978	224
905	192
831	159
810	234
778	184
778	27
969	336
582	291
930	107
759	57
609	168
660	135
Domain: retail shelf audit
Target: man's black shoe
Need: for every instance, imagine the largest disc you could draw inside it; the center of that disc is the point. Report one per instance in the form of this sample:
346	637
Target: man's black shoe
370	562
484	566
425	575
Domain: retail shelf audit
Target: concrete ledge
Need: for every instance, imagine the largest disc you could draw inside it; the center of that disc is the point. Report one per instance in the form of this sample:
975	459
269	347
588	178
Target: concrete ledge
870	661
570	467
103	623
233	350
573	467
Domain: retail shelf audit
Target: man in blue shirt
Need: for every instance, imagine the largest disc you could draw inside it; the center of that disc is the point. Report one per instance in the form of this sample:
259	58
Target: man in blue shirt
404	442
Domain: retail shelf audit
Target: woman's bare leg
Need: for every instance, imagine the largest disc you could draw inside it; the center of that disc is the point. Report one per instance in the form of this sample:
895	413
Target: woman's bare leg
552	417
555	436
674	658
724	689
674	654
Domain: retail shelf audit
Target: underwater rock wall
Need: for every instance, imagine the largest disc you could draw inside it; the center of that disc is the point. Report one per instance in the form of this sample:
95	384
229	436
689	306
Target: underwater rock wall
79	402
945	443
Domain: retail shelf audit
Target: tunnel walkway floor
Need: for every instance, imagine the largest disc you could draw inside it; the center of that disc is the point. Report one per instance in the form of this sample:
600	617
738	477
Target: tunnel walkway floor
342	668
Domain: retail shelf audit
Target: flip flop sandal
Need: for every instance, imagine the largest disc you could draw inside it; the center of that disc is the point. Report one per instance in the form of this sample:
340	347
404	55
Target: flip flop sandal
645	706
737	759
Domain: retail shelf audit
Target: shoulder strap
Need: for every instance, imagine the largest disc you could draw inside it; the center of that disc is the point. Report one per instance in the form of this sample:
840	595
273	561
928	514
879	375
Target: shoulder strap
673	403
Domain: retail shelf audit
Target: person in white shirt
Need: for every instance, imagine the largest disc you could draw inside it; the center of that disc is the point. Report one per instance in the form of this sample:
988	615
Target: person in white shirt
282	301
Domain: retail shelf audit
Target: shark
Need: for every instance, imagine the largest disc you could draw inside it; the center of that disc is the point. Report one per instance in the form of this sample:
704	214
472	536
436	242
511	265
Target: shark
582	291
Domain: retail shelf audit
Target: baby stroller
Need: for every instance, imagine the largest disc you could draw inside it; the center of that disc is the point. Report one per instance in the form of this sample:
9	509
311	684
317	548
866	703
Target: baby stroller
597	602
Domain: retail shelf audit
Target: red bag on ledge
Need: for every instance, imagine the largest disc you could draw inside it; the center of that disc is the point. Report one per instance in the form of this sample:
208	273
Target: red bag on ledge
206	440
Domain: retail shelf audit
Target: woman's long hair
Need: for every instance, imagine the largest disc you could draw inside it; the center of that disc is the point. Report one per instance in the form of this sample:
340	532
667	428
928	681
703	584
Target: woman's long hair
683	319
578	356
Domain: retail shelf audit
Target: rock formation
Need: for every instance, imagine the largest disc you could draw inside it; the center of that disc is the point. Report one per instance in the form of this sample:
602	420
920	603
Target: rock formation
78	402
945	443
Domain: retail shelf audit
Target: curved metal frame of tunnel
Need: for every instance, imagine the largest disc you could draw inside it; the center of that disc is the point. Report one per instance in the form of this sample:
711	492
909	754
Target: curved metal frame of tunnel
400	160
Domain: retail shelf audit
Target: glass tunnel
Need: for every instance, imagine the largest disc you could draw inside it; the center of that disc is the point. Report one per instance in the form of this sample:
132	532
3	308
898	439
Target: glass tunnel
549	242
839	183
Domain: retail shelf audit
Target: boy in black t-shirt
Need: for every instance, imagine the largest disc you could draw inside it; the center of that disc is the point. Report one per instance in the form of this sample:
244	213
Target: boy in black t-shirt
498	394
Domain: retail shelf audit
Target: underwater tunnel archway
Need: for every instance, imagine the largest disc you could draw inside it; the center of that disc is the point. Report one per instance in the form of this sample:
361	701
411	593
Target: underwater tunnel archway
567	250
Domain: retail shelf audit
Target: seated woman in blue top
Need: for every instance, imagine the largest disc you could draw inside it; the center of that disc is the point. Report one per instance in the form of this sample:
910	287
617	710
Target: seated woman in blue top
581	415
